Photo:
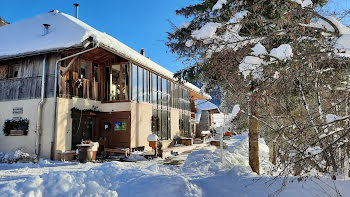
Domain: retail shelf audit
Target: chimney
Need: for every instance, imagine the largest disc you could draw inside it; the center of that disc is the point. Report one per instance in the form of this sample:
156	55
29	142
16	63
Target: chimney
46	29
76	10
143	52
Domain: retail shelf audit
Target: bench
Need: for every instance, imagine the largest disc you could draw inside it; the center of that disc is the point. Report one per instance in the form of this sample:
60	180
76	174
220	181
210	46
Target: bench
125	151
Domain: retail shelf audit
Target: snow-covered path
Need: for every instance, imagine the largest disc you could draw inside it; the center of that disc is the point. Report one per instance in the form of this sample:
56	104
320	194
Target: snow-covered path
202	174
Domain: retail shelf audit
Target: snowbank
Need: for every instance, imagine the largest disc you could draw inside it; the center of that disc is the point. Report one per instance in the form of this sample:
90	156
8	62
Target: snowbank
14	157
201	175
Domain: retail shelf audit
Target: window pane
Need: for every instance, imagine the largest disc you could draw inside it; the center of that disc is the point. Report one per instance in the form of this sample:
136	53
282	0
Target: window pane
159	91
159	132
115	91
140	86
125	82
170	94
154	88
164	92
176	99
84	70
164	125
155	122
169	124
145	85
106	84
134	82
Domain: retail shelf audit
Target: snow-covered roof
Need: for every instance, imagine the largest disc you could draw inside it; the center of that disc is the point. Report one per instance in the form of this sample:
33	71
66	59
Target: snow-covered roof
205	105
27	37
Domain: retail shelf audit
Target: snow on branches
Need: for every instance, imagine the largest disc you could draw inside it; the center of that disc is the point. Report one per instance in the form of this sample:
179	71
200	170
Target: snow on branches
272	53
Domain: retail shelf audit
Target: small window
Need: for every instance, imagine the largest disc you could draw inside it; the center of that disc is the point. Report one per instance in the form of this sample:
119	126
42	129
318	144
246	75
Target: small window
14	71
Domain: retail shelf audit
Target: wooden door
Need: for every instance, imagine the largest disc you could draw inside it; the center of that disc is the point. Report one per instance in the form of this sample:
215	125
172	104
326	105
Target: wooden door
114	129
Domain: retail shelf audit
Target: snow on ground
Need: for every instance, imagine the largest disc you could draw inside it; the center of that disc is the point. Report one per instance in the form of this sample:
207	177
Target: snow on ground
14	157
202	174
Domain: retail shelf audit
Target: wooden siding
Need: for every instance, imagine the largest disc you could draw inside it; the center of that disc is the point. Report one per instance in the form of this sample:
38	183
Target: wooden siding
27	84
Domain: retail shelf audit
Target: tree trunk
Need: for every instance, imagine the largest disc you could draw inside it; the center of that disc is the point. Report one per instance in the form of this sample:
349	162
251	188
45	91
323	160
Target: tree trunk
253	137
272	152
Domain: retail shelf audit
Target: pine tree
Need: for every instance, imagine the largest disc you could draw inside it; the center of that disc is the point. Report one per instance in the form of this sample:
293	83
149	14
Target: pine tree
279	53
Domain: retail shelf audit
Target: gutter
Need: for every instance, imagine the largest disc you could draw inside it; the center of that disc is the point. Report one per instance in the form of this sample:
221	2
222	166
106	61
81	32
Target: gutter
40	52
38	130
57	80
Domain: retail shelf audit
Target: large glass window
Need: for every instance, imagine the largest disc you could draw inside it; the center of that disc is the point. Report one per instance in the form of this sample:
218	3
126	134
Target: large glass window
159	91
140	86
134	82
164	92
115	83
145	85
176	96
164	125
161	123
106	84
125	82
154	88
170	93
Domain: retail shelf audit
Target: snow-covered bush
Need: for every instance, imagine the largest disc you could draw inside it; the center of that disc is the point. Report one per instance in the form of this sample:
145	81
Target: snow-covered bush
17	156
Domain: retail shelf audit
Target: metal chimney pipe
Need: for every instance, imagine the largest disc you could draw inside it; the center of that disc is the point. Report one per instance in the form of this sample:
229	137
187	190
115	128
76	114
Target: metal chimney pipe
143	52
46	28
76	10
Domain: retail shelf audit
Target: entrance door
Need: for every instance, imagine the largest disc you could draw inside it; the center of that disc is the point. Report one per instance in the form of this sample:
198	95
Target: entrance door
114	129
82	129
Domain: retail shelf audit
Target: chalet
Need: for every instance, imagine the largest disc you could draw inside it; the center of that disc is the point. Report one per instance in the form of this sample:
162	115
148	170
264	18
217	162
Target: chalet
62	81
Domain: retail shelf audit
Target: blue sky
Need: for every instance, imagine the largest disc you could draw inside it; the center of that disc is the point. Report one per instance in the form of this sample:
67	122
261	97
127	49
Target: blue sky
138	23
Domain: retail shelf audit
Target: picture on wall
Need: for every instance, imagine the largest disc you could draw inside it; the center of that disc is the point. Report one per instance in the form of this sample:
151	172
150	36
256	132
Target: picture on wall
119	126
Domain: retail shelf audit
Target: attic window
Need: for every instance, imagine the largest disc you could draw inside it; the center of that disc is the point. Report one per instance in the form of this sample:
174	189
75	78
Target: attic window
14	71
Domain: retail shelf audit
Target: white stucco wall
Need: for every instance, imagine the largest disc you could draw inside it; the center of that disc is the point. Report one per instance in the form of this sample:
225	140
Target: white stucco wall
26	143
141	116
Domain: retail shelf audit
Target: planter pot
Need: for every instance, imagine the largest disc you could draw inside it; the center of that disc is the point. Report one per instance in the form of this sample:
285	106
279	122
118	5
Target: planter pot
153	144
16	132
